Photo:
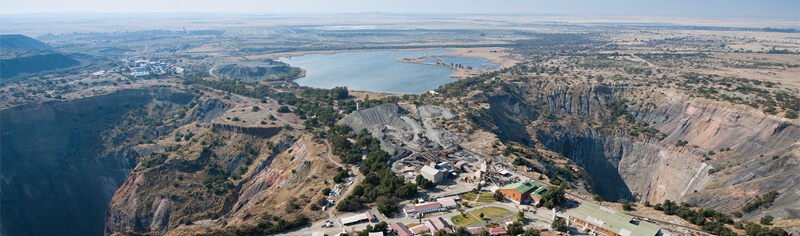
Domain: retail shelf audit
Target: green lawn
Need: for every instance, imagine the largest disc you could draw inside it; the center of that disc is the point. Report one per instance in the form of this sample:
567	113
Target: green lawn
468	196
491	212
461	221
412	225
486	197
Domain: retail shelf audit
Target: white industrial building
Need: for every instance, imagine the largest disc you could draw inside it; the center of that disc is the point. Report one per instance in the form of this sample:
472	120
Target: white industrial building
359	218
432	174
423	208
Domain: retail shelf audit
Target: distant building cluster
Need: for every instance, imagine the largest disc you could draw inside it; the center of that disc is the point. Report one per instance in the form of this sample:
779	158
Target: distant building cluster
140	68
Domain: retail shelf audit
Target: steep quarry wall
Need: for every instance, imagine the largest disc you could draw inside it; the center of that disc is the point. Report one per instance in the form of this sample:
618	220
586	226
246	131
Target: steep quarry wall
56	179
655	169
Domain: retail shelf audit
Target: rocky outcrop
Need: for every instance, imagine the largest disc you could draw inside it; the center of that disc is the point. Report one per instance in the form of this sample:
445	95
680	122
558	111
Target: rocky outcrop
57	177
209	110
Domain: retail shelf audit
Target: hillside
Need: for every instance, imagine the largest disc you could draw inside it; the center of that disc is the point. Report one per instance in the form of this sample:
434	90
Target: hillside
23	42
257	70
13	67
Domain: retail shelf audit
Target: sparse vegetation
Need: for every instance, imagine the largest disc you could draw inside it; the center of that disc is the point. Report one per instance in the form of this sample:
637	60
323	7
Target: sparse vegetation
760	201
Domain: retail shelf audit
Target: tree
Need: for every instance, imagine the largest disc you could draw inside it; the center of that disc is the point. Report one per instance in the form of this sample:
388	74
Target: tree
520	216
625	204
559	224
256	108
752	229
339	92
519	161
424	183
380	227
515	228
598	198
767	220
481	215
531	232
461	231
326	191
553	196
284	109
498	196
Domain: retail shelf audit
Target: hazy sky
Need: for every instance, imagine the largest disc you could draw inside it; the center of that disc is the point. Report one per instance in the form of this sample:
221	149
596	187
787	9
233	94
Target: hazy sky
712	8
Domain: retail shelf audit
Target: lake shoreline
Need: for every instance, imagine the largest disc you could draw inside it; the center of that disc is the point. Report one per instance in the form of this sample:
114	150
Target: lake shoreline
497	55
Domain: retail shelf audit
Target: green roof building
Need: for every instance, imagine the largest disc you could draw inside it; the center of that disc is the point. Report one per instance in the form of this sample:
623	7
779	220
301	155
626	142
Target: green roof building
524	192
610	222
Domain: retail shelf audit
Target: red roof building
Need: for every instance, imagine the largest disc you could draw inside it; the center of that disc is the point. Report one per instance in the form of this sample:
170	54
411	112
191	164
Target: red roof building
437	224
498	231
400	229
419	229
423	208
475	230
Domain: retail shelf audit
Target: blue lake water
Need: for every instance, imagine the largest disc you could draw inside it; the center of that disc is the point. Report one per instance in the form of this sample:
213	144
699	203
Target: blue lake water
476	63
376	71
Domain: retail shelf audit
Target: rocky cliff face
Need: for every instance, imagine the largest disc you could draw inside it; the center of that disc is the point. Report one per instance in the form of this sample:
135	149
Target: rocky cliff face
57	175
655	168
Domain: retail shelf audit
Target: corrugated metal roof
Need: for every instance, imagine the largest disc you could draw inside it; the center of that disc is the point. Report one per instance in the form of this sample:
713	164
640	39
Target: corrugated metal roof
401	229
419	228
447	202
426	206
355	218
614	221
497	230
524	187
475	230
429	170
539	191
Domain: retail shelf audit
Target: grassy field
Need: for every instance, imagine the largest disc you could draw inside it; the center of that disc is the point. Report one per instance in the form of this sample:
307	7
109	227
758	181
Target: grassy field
483	197
486	197
489	212
461	221
470	196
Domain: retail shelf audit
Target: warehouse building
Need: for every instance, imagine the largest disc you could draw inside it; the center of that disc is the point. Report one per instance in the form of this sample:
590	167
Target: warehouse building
528	192
607	221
